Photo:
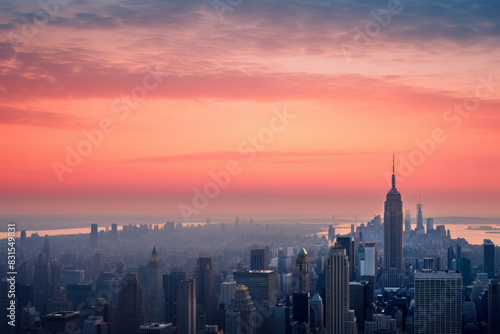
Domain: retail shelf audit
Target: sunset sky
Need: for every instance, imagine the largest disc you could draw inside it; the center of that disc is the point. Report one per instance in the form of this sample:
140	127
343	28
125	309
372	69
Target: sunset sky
215	74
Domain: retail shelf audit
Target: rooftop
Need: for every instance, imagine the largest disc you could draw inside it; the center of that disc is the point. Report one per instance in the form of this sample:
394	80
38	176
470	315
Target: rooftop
156	325
303	251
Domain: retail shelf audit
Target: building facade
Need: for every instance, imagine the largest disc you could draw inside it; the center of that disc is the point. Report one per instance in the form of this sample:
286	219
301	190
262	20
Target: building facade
438	302
337	290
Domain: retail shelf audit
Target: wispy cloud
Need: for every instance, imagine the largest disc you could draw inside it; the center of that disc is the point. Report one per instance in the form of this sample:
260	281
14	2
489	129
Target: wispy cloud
16	116
269	156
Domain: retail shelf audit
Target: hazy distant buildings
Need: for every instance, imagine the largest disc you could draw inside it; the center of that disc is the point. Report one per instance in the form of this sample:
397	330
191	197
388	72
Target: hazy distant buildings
430	224
130	309
337	290
393	269
258	259
114	231
489	257
331	234
407	220
94	236
438	302
420	218
186	309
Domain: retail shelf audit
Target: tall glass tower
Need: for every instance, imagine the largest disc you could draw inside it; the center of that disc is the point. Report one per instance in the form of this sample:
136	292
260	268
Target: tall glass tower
393	271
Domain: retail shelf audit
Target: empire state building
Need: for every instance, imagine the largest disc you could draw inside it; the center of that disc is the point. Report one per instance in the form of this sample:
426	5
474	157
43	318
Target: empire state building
393	270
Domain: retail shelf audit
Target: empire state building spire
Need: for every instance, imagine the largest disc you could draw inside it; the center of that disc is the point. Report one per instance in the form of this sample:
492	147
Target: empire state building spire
393	173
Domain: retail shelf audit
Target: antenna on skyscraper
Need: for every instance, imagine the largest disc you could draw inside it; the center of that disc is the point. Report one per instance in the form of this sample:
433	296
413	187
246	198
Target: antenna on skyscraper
393	165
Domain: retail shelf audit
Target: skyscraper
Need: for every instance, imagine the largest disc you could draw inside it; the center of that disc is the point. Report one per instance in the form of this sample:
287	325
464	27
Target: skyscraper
258	259
130	308
489	257
228	289
316	314
438	302
114	231
301	311
337	290
407	220
393	274
449	258
358	300
362	259
263	287
170	289
420	219
494	307
94	241
331	234
430	224
81	294
348	244
370	260
155	302
42	279
243	304
186	309
205	289
302	280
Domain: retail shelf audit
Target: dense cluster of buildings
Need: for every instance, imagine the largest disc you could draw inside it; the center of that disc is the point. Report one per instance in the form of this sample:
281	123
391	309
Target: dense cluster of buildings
359	282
